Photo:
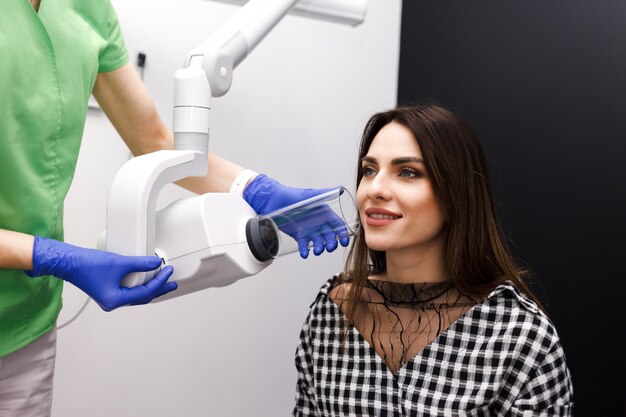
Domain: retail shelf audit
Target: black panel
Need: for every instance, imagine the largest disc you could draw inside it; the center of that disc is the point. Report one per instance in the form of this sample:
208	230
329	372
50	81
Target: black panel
544	85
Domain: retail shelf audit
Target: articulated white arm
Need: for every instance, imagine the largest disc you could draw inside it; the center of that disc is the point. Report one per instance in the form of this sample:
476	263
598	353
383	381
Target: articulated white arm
221	53
348	12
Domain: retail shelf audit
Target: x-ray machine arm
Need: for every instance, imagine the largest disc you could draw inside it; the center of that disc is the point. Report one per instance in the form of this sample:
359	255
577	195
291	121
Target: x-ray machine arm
208	71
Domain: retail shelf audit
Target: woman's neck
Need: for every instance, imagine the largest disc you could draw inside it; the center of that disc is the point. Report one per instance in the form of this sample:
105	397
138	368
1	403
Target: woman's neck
412	267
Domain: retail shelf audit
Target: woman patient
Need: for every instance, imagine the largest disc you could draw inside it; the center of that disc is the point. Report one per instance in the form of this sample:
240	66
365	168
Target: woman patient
431	315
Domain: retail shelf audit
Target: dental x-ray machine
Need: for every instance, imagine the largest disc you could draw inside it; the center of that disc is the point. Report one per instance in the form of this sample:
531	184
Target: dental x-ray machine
203	237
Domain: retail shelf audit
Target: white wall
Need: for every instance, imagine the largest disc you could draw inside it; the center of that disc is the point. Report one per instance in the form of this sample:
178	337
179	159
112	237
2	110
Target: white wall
295	112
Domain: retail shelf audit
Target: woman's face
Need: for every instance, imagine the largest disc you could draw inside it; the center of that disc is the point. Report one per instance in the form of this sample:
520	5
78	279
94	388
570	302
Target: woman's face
397	206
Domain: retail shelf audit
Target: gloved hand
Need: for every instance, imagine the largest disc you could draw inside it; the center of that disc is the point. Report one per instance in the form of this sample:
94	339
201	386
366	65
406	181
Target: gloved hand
266	195
319	224
99	273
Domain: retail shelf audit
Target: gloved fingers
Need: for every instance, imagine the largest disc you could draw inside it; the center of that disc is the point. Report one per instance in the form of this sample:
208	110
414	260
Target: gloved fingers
142	263
342	233
318	243
303	246
159	283
168	286
330	238
143	294
341	230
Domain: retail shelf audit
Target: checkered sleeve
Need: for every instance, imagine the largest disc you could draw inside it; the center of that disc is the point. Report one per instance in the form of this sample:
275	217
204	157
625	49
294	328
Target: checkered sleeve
549	390
305	397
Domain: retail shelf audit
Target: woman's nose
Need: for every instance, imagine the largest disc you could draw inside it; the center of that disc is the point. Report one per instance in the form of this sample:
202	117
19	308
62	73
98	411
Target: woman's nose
379	187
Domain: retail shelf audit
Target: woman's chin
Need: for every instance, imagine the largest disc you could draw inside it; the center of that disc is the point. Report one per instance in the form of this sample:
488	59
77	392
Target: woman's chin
378	245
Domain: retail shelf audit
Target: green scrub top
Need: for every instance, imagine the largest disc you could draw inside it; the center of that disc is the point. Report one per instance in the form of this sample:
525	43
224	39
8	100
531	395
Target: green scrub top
48	66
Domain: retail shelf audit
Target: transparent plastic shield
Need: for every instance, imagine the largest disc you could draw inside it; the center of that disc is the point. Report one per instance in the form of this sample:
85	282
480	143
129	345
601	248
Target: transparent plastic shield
332	215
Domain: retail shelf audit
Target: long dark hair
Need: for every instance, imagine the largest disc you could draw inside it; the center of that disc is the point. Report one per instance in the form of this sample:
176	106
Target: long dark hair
476	254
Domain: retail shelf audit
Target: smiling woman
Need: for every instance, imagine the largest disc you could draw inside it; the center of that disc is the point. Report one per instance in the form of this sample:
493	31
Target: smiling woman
431	315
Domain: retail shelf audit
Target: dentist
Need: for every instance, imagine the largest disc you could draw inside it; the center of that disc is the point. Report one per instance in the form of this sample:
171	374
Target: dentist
54	55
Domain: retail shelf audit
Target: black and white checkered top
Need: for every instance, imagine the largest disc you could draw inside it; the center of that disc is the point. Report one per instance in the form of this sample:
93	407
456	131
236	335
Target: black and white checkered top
503	357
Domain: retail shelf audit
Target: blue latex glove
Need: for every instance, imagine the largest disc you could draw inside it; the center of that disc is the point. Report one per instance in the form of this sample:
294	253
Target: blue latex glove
99	273
266	195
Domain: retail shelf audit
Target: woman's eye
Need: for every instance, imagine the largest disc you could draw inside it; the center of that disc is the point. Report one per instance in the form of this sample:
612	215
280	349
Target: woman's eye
367	171
409	173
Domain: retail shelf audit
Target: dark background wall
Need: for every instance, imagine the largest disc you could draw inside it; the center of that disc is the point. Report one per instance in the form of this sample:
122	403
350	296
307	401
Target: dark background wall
544	85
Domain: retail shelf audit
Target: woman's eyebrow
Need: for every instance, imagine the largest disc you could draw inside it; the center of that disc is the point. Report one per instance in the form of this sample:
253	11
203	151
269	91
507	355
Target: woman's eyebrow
406	159
394	161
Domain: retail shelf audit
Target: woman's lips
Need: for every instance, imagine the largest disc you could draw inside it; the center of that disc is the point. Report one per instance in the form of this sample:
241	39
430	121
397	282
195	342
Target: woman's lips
380	217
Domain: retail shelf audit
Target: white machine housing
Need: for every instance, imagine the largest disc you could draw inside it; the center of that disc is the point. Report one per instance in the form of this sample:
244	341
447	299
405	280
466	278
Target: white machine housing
205	248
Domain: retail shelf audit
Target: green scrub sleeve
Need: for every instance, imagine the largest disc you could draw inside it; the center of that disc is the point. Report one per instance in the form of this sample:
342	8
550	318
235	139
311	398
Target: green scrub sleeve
115	54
